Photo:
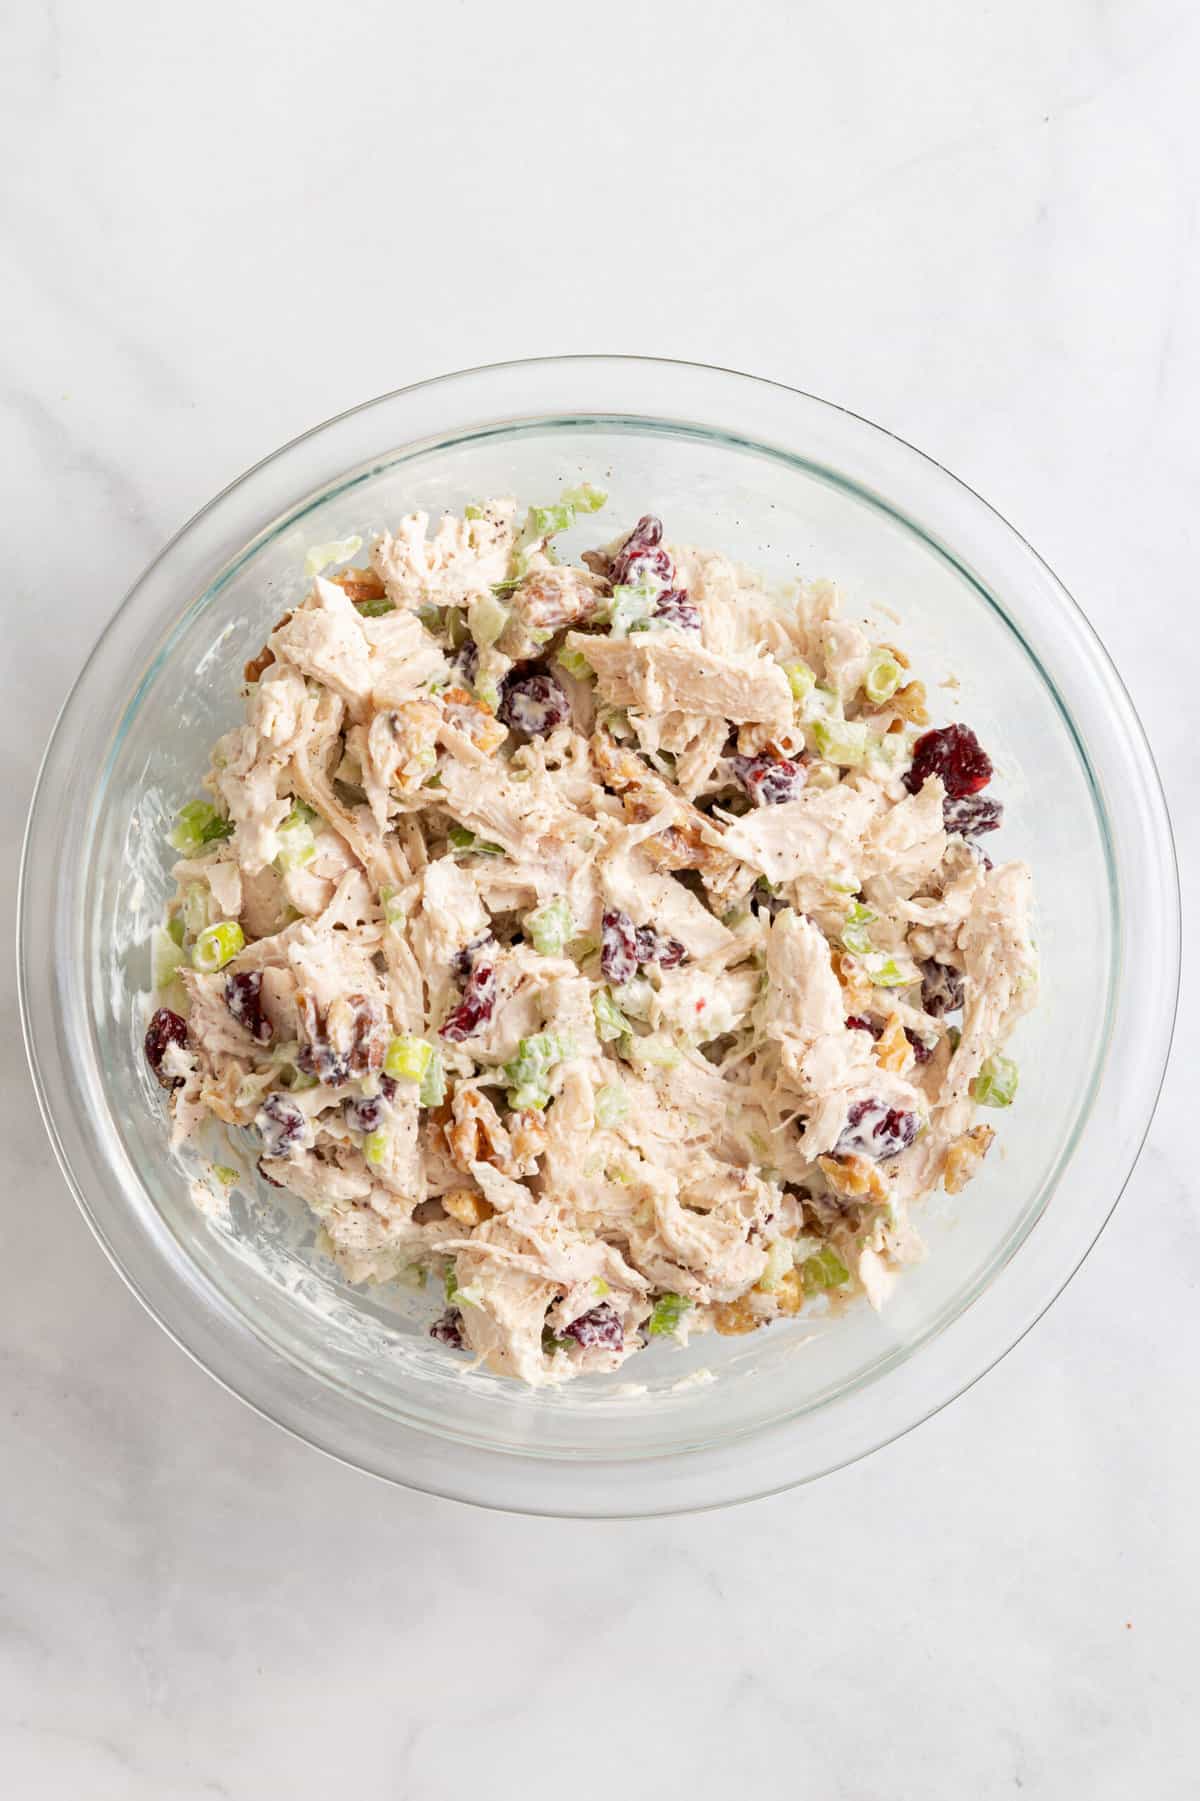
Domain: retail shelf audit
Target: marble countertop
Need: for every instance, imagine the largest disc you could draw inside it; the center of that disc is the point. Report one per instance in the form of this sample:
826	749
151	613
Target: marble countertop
975	225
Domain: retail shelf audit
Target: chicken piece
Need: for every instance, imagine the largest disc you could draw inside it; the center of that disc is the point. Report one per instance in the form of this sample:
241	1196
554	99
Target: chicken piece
661	674
1000	965
462	558
545	602
819	836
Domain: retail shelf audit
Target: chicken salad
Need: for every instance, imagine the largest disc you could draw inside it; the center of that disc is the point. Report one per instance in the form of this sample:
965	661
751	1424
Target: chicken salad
609	942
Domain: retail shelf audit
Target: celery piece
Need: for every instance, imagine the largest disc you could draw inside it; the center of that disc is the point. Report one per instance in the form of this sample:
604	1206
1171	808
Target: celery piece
882	677
883	971
433	1082
216	945
585	498
375	1147
575	663
996	1083
610	1021
166	955
550	926
841	741
487	618
197	825
825	1270
611	1104
408	1059
801	678
669	1309
780	1260
175	928
325	556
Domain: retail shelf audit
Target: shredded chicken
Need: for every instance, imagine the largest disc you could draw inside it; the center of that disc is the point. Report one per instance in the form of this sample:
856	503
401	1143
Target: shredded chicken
590	937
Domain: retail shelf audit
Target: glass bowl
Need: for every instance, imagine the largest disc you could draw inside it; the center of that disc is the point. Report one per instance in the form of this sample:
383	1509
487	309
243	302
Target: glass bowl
788	484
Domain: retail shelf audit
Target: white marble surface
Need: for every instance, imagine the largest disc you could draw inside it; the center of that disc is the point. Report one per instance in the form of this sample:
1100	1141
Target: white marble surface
974	224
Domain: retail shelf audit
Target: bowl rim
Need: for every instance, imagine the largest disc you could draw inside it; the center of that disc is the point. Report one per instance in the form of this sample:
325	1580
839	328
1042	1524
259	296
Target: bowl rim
1161	830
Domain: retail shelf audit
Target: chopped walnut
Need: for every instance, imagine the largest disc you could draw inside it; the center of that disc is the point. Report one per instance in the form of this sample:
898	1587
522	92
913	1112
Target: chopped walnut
732	1318
789	1292
467	1207
909	703
477	1134
854	1178
257	666
360	584
964	1157
893	1050
470	717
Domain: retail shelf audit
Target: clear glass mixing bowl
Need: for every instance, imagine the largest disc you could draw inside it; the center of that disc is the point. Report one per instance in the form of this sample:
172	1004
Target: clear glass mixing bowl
786	483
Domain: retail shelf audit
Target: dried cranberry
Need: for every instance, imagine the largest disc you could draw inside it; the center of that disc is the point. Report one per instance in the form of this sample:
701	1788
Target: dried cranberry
651	947
769	780
954	753
677	609
447	1329
971	815
477	1004
243	997
533	702
619	947
921	1051
282	1125
461	961
641	555
941	988
364	1112
387	1087
600	1326
165	1028
875	1131
466	664
856	1023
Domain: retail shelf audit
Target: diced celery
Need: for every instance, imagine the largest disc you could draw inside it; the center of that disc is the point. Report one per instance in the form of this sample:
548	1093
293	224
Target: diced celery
487	618
996	1083
884	971
527	1071
296	846
882	678
599	1287
800	677
408	1059
854	933
376	608
393	906
411	1275
324	556
433	1082
375	1147
655	1051
550	926
629	609
463	842
824	1270
842	741
196	825
545	521
890	749
175	928
575	663
585	498
450	1283
165	958
225	1174
611	1104
780	1260
669	1309
473	512
610	1021
216	945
